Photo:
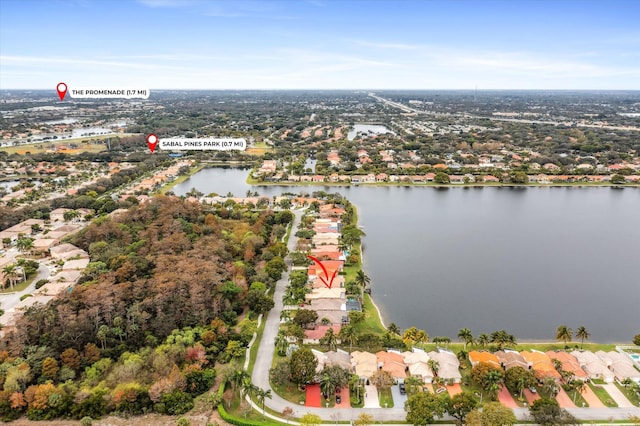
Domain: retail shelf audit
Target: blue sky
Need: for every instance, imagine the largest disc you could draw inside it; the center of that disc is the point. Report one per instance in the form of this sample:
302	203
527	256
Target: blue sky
320	44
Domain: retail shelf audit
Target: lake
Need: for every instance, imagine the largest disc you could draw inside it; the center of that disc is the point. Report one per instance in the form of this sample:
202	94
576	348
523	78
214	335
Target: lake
367	128
521	259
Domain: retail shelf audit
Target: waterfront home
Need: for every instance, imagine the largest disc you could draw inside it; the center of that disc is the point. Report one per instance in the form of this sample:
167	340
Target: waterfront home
476	357
621	365
331	238
313	336
322	254
449	365
417	361
331	266
593	366
570	364
325	293
338	282
542	366
509	359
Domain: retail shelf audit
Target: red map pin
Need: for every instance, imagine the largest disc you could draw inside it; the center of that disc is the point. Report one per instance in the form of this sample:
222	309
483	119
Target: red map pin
62	90
152	141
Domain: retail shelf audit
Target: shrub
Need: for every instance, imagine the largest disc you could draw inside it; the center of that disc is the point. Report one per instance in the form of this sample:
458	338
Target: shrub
24	296
86	421
176	402
40	283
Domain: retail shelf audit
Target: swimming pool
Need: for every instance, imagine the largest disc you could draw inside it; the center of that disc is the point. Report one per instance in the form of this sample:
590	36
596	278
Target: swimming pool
635	357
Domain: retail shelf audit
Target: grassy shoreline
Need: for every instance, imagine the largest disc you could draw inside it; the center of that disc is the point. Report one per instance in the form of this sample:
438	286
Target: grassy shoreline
169	186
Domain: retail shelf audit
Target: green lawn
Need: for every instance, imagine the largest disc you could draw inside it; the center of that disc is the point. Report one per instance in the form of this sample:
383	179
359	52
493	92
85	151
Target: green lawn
602	394
386	400
577	398
372	322
20	286
633	397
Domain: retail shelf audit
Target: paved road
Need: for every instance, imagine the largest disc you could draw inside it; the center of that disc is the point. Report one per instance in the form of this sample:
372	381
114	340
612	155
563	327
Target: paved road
9	300
264	359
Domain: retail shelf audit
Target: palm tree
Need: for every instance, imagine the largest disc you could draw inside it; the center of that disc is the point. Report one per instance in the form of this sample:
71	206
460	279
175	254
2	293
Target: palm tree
248	388
579	387
330	340
281	343
285	315
493	382
362	280
24	244
502	338
582	334
483	340
465	335
327	386
11	272
261	395
237	378
549	386
434	366
564	333
393	328
348	334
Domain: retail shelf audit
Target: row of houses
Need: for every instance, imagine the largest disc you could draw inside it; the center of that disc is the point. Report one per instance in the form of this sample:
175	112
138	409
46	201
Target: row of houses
582	365
327	295
429	177
400	365
73	259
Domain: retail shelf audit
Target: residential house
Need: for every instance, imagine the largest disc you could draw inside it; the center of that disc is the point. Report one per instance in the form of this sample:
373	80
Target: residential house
312	337
541	364
569	364
417	361
509	359
448	365
393	363
594	366
621	365
364	364
477	357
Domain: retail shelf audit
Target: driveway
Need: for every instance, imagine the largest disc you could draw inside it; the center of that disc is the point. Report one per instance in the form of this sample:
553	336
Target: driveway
345	399
530	396
564	399
454	389
371	397
313	398
617	396
506	399
398	398
592	399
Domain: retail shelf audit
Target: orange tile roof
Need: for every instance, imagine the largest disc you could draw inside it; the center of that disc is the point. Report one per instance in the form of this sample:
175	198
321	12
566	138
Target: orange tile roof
569	363
542	365
482	356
